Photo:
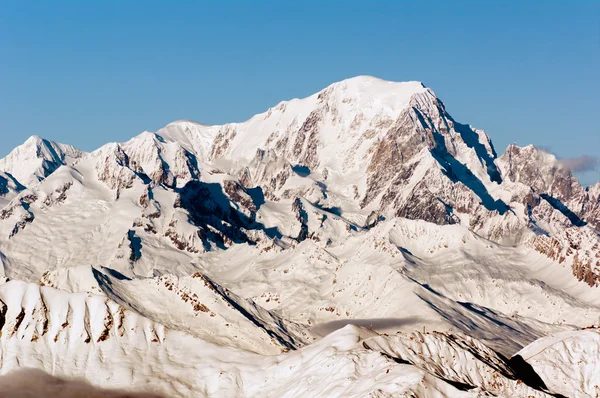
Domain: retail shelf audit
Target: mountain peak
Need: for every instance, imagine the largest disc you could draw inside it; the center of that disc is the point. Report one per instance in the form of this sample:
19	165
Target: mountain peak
34	139
530	154
187	121
37	158
374	87
367	80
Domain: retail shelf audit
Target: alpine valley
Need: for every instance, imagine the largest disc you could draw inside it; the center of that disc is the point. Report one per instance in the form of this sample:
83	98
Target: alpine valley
359	243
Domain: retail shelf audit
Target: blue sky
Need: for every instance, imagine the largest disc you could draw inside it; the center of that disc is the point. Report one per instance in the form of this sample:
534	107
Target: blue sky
87	73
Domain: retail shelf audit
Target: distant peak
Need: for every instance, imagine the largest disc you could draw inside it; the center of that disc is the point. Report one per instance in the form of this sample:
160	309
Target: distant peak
37	146
368	92
34	139
530	154
514	147
187	121
368	80
371	83
534	150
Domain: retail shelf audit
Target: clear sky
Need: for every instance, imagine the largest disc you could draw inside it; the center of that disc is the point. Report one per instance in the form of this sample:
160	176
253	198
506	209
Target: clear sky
90	72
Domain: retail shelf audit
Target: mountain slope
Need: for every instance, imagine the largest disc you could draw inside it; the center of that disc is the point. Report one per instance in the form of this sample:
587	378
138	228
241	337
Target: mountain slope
579	375
90	336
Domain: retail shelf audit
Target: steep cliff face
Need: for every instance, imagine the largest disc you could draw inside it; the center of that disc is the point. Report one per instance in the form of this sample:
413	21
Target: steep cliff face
591	205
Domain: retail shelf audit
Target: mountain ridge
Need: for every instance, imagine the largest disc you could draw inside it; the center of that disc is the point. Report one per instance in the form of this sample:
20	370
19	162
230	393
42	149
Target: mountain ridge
393	144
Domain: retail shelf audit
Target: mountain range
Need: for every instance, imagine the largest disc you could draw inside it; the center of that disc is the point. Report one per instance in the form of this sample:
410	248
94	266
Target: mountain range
357	242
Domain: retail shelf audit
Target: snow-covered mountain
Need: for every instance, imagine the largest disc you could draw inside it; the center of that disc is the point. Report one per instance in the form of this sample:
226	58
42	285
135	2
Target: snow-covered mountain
364	204
37	158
